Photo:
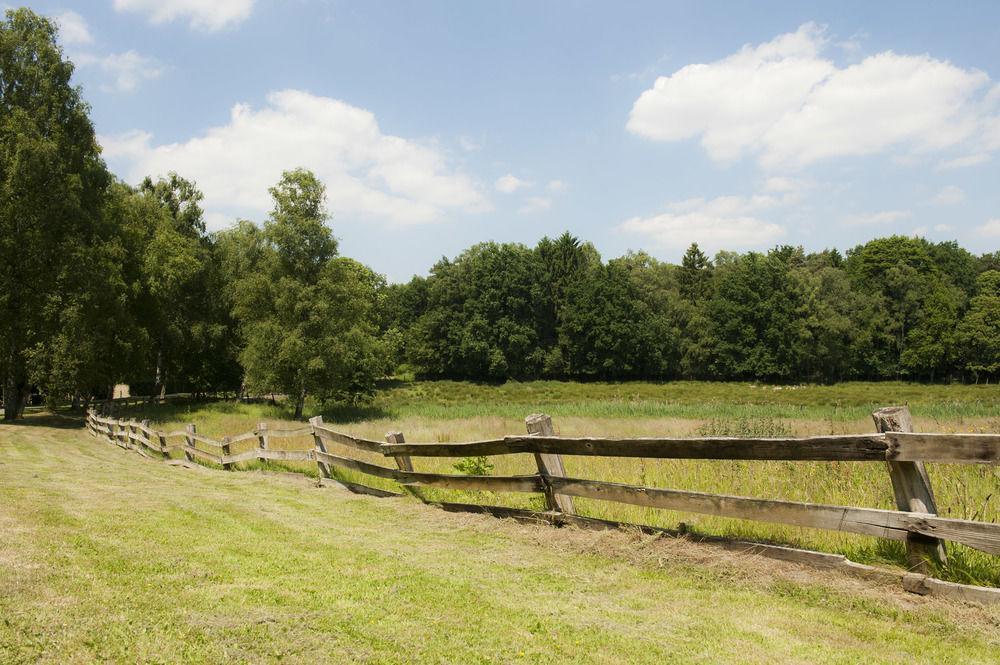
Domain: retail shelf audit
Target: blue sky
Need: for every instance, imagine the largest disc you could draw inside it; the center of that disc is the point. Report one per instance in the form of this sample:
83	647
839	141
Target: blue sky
633	125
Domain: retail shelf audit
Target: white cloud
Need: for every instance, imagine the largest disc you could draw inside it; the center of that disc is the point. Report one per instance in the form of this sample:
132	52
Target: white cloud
950	195
991	228
536	204
919	232
781	184
730	104
785	103
125	70
991	129
963	162
876	218
210	15
557	186
508	184
367	173
943	228
469	144
73	28
725	222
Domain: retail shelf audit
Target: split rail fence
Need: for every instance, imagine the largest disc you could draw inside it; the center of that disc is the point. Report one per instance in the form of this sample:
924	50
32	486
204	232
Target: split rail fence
904	452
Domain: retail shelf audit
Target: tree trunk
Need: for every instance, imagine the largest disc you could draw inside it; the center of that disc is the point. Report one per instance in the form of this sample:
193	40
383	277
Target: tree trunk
300	404
161	381
76	400
25	396
12	406
14	387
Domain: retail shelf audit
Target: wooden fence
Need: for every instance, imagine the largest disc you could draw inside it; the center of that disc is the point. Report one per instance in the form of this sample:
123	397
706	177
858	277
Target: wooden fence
915	521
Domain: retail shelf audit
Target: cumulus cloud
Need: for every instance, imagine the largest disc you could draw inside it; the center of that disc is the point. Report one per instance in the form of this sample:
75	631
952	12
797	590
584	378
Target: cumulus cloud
965	161
789	105
535	204
73	28
200	15
725	222
125	71
557	186
367	173
949	195
943	228
510	183
876	218
991	228
469	144
781	184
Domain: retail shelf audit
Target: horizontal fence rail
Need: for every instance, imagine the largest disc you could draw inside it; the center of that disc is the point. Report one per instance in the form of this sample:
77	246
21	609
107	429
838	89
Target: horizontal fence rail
957	448
904	452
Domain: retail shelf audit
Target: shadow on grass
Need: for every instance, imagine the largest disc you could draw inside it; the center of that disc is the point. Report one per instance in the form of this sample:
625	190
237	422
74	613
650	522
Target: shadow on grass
49	419
280	410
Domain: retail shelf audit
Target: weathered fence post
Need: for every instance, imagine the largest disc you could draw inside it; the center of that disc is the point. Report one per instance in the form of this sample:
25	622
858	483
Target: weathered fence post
262	435
912	488
226	466
549	464
189	441
324	468
161	441
403	462
144	428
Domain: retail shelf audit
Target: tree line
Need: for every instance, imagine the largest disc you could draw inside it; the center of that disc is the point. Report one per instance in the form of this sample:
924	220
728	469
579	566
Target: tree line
105	283
892	308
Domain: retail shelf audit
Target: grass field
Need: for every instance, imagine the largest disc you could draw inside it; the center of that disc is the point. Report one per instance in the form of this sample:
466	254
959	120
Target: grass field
106	556
453	411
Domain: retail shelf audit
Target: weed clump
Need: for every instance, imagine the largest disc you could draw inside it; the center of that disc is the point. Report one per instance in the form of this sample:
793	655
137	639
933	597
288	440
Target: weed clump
474	466
745	427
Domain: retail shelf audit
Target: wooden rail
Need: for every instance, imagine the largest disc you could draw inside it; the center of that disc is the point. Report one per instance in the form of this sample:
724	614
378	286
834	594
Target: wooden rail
958	448
904	452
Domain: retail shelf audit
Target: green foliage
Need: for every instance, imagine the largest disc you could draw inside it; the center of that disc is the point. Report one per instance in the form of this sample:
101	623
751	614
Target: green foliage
305	315
978	335
52	182
695	274
752	324
889	310
609	330
482	315
474	466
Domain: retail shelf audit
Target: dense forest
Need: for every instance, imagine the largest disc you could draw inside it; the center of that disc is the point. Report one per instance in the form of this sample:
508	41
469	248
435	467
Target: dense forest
105	282
892	308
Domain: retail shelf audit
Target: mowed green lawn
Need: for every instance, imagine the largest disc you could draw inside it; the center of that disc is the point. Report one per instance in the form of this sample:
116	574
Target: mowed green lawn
107	556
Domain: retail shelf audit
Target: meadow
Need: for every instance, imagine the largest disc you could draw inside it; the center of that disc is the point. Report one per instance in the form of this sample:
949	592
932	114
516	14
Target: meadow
109	557
456	411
